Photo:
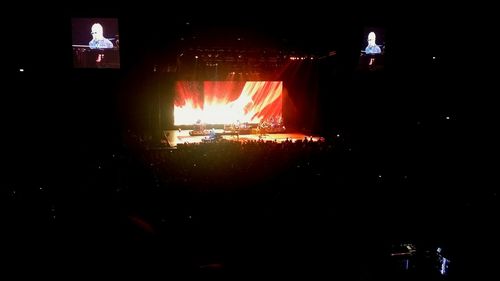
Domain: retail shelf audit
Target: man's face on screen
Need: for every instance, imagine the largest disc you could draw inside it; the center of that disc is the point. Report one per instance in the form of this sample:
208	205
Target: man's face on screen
371	39
97	31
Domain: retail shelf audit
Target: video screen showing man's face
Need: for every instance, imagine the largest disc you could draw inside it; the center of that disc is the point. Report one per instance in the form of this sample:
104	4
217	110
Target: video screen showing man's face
373	42
96	43
372	49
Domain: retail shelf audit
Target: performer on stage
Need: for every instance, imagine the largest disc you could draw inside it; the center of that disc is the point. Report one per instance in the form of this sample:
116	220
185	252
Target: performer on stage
262	128
212	135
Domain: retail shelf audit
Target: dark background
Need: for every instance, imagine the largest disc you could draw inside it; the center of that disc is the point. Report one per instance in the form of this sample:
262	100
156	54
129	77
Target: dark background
58	121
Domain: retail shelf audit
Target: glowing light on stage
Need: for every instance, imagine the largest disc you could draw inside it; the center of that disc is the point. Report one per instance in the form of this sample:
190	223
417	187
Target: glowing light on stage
227	102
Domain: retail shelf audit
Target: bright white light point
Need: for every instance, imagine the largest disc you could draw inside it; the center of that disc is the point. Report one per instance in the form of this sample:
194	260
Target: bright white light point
21	69
447	117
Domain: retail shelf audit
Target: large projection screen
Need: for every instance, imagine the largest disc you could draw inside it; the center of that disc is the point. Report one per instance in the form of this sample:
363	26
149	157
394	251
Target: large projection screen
227	102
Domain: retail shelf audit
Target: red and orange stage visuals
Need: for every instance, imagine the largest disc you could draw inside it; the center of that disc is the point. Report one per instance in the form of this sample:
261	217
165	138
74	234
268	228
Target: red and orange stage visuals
227	102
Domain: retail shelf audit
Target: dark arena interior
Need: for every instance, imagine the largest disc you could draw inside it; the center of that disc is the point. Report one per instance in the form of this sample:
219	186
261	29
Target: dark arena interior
246	140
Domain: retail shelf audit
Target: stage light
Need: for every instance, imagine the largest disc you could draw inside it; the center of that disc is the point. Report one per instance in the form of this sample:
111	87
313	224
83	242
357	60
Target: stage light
447	117
21	69
433	58
196	57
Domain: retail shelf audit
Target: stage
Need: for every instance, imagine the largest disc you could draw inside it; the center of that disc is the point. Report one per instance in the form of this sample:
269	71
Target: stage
182	136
